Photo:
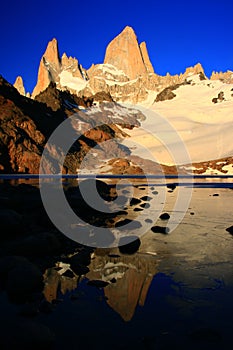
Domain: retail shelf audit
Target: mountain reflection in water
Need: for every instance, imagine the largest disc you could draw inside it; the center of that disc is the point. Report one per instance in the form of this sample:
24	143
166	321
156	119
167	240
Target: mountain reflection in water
174	289
128	277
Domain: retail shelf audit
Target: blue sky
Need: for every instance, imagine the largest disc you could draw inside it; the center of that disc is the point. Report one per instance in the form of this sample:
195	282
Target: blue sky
178	33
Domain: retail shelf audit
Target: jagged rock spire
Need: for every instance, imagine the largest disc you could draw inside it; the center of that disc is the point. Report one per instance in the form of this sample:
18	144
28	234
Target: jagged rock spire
49	68
146	58
18	84
124	53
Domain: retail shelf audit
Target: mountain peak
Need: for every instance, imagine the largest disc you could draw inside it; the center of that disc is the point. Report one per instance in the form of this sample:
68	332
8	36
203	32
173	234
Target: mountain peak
51	53
18	84
49	68
124	53
196	69
128	29
146	58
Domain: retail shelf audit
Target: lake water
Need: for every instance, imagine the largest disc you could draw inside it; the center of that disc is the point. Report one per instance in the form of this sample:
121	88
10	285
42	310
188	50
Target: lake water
175	291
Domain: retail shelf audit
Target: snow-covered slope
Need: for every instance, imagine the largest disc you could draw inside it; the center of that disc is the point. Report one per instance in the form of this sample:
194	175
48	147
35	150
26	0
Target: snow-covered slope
69	81
190	121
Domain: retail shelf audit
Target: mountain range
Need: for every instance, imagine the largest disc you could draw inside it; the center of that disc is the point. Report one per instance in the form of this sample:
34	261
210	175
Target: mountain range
198	107
126	73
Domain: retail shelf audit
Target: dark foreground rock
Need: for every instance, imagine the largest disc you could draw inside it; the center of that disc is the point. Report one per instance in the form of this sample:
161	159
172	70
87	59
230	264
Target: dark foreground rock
11	223
9	263
38	245
27	335
205	335
23	282
21	278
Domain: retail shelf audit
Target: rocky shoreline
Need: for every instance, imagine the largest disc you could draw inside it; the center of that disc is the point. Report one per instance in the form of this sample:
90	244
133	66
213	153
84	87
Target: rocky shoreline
42	271
37	261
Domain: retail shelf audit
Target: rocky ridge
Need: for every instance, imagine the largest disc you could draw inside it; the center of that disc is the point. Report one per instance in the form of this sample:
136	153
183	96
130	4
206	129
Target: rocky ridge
225	77
64	86
26	124
51	65
126	73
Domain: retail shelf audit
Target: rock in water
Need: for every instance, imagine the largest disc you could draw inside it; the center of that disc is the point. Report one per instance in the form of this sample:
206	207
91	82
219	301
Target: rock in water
230	230
135	201
23	281
129	244
164	216
160	229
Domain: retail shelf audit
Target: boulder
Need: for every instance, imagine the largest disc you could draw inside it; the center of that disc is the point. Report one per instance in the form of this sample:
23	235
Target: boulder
27	335
9	263
41	244
11	223
23	281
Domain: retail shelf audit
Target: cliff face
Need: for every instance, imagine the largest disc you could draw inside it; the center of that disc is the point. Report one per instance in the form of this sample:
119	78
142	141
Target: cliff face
52	65
49	67
146	58
124	53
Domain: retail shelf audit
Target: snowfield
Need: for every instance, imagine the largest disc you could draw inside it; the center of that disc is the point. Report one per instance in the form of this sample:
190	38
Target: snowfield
74	83
189	123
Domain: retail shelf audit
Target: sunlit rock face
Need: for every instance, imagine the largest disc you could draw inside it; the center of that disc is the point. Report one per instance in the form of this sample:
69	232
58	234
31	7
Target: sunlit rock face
126	74
225	77
56	69
18	84
145	57
129	280
124	53
49	68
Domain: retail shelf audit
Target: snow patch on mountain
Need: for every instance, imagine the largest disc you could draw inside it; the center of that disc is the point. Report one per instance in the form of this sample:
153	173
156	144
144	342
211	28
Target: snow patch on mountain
74	83
109	68
204	128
